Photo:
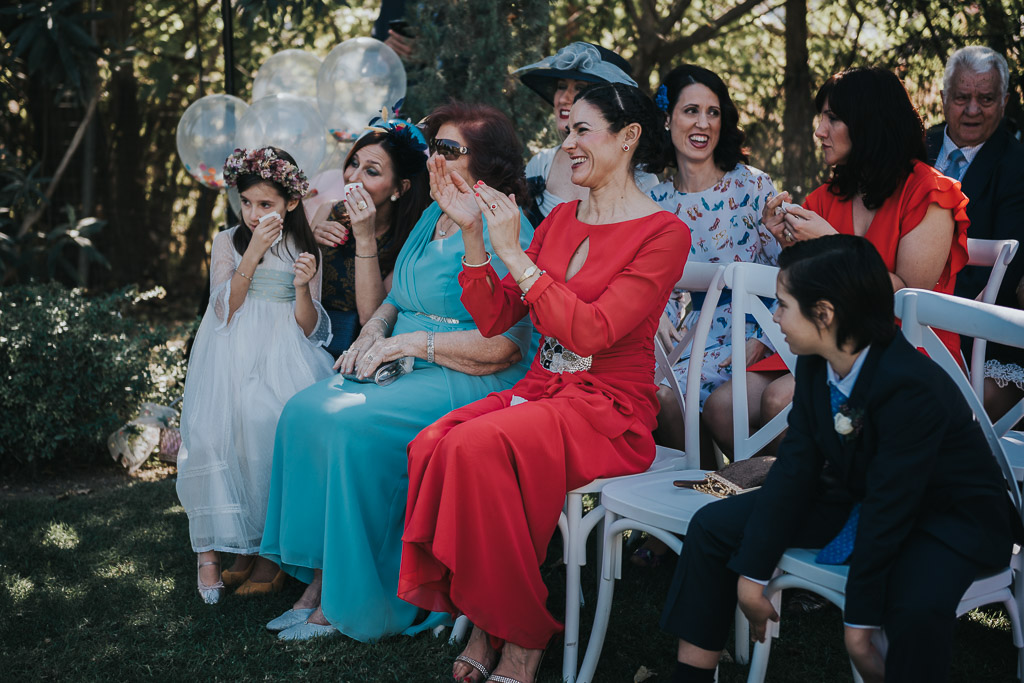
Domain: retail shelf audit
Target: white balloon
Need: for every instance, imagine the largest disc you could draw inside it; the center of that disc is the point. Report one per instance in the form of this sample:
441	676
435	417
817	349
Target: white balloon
292	72
357	78
206	136
289	122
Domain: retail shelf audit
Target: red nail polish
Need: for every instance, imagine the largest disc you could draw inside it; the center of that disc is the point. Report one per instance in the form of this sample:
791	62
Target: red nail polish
476	194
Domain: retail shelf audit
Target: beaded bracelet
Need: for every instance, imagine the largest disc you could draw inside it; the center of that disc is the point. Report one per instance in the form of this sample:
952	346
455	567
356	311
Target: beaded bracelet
243	275
430	346
387	325
476	265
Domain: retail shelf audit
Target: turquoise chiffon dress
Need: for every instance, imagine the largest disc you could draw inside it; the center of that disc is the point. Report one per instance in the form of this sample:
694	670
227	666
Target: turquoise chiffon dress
339	480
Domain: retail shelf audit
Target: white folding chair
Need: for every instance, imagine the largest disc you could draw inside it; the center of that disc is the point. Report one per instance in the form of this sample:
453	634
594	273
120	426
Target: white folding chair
576	527
649	502
920	311
994	254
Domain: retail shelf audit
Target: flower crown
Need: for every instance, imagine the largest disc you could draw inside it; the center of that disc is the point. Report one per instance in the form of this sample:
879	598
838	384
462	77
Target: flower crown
266	164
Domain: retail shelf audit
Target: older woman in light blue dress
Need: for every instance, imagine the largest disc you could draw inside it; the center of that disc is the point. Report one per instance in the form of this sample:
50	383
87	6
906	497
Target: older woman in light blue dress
339	482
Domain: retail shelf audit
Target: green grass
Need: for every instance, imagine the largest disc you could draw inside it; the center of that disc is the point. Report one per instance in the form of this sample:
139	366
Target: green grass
102	587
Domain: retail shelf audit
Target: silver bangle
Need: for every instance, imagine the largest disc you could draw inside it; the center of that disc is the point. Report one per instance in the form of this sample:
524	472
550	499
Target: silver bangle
387	325
477	265
430	346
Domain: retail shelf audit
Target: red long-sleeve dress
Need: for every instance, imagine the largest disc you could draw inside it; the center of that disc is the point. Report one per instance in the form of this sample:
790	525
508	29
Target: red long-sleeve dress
899	214
487	481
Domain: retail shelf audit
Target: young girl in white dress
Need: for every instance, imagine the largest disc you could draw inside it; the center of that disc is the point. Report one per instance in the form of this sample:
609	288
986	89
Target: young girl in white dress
260	342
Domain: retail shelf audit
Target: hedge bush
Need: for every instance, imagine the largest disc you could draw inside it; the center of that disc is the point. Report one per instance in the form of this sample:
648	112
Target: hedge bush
73	368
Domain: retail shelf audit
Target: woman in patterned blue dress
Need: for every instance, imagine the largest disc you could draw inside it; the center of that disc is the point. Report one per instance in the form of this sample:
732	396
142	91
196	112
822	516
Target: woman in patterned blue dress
720	199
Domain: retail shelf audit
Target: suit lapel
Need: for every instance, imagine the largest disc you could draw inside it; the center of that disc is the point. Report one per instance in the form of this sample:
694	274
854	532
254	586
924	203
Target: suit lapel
980	171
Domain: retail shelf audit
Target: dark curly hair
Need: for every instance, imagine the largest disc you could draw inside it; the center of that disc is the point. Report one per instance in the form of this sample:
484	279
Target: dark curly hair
495	154
886	133
621	105
295	222
729	150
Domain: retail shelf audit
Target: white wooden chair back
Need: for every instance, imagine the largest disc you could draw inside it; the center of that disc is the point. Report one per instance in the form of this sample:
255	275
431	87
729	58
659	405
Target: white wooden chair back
921	310
749	282
697	277
994	254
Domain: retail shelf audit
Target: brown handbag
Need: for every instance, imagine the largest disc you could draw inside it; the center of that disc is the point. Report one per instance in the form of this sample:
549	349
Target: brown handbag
739	477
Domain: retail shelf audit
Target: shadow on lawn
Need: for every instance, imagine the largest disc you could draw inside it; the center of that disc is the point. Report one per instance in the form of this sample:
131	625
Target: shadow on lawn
102	587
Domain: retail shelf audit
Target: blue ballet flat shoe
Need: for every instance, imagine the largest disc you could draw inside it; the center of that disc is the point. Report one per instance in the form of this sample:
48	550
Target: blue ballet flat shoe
290	618
305	631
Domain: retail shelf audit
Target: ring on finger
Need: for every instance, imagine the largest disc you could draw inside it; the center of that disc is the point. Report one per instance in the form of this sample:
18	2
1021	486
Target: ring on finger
361	205
493	207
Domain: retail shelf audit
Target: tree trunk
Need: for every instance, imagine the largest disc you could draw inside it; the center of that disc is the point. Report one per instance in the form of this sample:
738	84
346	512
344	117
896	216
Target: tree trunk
798	113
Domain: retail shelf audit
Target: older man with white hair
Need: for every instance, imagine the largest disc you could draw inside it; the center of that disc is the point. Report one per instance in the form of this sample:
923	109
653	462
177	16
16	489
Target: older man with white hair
975	146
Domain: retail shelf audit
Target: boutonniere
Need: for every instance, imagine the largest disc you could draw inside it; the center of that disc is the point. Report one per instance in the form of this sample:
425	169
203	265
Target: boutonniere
848	422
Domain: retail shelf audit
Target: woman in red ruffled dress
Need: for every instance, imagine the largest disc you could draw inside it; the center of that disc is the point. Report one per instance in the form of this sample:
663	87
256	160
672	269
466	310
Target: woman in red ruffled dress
487	482
882	189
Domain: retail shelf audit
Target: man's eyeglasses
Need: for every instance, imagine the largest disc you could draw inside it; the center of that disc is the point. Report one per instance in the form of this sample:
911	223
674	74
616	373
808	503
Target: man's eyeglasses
449	149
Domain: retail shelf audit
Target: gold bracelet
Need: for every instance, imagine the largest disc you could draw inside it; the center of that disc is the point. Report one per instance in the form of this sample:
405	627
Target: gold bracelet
373	255
527	274
243	275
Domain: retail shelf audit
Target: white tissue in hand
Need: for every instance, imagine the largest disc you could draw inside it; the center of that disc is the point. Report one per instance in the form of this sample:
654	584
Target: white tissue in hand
351	186
268	216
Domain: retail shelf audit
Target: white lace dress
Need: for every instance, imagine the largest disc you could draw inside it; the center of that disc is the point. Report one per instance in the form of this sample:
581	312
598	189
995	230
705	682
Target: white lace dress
240	374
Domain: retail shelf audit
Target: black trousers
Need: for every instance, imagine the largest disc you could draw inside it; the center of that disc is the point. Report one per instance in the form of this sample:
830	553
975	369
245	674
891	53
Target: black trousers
926	582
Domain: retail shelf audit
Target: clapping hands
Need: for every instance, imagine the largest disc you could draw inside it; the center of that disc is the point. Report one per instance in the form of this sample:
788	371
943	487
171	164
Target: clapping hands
453	194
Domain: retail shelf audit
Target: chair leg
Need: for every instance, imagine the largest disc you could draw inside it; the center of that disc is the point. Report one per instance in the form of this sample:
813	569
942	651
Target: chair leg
742	638
570	653
605	592
460	629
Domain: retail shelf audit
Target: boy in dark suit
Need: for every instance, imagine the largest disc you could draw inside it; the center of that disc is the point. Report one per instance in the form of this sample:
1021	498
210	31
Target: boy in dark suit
882	446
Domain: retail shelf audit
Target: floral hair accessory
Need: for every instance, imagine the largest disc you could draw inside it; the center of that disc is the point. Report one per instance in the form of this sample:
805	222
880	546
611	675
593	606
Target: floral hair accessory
661	98
266	164
402	139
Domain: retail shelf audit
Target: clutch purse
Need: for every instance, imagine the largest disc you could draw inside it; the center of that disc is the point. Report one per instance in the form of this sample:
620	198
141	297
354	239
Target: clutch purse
386	373
739	477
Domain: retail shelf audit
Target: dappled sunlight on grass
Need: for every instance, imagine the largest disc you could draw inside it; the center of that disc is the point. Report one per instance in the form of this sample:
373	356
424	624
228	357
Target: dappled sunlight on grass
118	570
174	510
61	536
18	587
156	587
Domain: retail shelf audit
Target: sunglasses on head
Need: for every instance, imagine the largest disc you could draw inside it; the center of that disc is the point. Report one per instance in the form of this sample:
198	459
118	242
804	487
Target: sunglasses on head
449	149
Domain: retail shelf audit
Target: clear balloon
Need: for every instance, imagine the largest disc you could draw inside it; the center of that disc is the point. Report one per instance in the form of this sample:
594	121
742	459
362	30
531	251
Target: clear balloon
336	153
357	78
289	122
293	72
206	136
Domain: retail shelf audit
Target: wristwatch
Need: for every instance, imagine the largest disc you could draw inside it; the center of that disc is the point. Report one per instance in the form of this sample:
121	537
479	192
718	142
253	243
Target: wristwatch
527	274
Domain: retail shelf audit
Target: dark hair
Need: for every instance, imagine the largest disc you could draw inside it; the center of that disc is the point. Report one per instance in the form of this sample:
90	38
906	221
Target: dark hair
848	272
295	222
621	105
886	133
729	150
409	162
495	154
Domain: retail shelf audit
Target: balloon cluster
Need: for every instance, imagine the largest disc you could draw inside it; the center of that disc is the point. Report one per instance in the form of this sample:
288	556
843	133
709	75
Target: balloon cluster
303	105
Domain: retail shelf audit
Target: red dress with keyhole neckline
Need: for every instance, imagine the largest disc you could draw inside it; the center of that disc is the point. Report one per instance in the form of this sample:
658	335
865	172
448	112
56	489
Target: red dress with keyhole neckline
487	481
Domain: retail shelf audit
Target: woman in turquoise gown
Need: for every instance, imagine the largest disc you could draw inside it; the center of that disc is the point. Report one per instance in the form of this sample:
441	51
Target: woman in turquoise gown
339	482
